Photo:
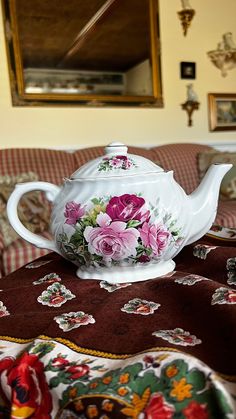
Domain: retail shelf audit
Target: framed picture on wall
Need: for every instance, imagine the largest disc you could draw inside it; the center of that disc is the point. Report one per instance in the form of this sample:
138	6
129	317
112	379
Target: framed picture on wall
187	70
222	111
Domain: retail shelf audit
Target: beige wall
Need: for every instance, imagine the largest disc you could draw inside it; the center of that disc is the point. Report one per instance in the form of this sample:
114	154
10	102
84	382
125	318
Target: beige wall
75	127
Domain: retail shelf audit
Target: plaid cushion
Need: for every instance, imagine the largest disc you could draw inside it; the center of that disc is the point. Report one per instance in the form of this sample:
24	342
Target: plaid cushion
226	214
84	155
50	165
20	253
182	159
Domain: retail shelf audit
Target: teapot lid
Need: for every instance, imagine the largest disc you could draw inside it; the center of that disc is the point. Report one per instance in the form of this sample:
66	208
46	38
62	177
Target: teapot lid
116	162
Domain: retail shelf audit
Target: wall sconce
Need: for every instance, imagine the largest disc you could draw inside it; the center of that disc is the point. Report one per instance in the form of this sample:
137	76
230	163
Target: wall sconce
186	15
191	103
224	57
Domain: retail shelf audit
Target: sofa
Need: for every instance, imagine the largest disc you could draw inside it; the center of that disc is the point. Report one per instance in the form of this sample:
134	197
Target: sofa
22	164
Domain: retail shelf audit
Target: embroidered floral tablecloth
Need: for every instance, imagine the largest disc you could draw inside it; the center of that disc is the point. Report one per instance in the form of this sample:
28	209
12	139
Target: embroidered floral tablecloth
162	348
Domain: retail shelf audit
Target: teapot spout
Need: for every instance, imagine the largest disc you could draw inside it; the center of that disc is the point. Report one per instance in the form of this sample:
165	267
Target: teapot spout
204	201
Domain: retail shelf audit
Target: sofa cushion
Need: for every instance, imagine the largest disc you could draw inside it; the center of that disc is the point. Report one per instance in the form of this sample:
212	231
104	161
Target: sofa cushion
33	210
226	214
182	159
49	165
228	184
20	253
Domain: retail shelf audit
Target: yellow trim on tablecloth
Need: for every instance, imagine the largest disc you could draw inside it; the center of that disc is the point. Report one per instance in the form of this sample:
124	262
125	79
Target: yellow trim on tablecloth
102	354
87	351
16	340
228	239
108	355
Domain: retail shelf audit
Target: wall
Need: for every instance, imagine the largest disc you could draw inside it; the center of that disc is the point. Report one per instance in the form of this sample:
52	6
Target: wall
75	127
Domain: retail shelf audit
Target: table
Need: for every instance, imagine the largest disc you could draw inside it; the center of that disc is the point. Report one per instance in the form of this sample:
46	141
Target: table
162	348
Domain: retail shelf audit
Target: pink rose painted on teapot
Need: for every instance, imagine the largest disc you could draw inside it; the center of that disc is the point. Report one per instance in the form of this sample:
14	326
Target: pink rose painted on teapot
127	207
73	212
117	230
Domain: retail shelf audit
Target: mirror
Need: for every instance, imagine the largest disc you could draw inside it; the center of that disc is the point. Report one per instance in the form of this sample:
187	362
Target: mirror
96	52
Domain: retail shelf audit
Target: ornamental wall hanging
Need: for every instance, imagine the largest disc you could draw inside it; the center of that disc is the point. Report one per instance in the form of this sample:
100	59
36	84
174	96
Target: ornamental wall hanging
191	104
186	15
224	56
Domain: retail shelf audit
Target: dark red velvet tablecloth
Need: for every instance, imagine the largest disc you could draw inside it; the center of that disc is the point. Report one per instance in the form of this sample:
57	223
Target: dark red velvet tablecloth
162	348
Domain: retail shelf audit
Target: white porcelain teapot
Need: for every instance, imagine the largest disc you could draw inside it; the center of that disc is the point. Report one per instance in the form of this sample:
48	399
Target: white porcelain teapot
121	218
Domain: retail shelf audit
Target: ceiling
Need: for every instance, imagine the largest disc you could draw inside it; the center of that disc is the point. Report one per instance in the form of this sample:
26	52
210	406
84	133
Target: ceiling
111	35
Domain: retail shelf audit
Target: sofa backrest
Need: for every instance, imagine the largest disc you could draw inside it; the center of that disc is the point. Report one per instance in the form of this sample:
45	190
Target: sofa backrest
54	165
183	160
49	165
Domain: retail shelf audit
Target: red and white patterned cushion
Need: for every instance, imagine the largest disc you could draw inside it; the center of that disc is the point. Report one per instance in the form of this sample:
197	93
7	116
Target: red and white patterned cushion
18	254
226	214
182	159
49	165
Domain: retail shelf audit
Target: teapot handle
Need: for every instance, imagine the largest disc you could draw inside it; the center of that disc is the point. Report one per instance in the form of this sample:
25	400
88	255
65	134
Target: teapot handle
20	189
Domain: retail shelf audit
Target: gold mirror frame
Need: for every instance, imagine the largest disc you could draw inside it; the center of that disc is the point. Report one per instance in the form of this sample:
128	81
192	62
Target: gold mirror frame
21	98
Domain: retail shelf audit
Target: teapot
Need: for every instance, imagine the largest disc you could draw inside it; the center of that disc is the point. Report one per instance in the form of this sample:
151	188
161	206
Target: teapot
122	218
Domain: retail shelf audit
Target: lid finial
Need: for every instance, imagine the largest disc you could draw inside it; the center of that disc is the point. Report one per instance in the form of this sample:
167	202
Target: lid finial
116	148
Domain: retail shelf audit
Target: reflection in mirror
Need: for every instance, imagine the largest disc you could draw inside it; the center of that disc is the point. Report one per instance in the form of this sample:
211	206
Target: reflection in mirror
95	52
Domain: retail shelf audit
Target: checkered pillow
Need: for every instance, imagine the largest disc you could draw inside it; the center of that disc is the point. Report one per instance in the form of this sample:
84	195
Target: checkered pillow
19	253
226	214
50	166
